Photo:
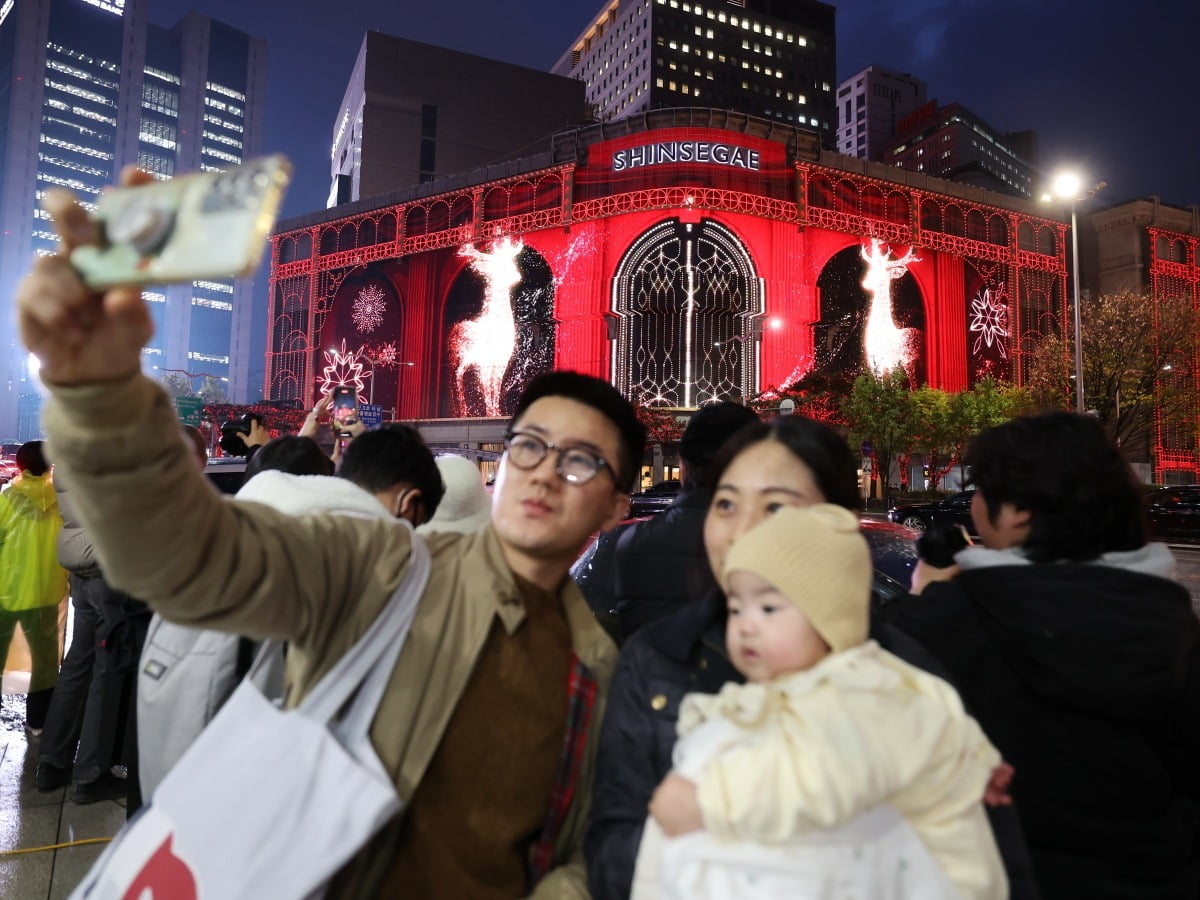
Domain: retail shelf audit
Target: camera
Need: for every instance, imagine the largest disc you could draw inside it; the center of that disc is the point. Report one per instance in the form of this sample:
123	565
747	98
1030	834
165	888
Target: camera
938	544
231	444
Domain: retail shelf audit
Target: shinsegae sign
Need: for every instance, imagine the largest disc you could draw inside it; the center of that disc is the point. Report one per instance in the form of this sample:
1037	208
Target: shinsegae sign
686	152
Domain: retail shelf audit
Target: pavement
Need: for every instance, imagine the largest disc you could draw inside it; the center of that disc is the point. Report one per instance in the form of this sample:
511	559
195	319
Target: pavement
57	832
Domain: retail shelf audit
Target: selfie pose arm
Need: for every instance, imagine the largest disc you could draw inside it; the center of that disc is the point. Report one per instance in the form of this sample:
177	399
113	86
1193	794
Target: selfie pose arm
161	533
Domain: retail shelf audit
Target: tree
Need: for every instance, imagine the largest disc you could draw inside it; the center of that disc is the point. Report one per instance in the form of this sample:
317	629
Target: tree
879	410
1136	360
212	390
178	385
989	403
818	395
934	433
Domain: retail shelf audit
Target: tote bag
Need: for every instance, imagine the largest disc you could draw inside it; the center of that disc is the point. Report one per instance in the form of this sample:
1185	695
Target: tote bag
268	802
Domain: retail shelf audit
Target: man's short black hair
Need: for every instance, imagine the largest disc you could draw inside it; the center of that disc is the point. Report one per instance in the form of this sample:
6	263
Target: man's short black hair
290	453
606	400
380	459
707	430
1062	468
30	458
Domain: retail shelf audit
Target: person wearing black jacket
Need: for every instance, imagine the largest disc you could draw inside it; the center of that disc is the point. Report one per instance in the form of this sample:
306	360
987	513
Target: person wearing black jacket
790	461
659	565
1079	656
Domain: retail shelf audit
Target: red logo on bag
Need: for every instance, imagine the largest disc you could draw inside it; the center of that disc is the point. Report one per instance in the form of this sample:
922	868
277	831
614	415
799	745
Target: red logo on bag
164	877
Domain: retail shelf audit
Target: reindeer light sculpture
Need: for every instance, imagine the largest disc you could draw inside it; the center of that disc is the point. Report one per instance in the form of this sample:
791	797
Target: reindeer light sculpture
886	346
483	346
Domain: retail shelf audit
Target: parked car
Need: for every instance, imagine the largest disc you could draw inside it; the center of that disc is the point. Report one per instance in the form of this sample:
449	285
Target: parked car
226	472
8	470
1174	512
952	510
653	500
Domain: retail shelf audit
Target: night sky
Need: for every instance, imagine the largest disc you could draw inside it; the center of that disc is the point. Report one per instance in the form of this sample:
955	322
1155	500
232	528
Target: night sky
1106	84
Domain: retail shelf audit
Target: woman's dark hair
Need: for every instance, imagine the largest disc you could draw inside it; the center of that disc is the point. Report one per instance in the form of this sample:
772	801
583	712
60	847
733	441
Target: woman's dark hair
31	459
816	445
1082	497
292	454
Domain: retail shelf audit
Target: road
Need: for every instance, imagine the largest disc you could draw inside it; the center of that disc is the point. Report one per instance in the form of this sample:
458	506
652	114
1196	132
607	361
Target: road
1189	570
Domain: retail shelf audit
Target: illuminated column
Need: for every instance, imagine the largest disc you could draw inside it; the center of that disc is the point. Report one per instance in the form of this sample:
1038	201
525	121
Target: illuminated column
946	325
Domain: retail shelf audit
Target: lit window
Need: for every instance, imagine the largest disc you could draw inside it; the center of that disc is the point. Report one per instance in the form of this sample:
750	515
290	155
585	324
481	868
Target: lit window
224	91
223	305
221	154
80	92
75	148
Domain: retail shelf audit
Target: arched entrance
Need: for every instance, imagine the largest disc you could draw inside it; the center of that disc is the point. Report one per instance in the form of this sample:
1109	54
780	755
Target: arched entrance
685	297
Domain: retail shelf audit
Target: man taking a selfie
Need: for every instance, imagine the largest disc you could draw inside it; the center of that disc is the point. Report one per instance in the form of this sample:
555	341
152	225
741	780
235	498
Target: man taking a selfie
489	720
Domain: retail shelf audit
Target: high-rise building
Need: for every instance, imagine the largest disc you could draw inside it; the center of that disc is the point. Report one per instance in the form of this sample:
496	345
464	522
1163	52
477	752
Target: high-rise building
88	87
952	142
870	104
770	58
413	112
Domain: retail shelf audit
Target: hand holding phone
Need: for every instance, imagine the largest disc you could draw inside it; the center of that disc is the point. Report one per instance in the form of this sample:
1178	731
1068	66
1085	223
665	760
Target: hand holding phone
345	410
203	225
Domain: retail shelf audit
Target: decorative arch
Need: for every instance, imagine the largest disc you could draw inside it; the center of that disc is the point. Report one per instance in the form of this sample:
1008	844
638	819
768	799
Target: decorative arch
820	192
495	204
931	215
685	298
416	221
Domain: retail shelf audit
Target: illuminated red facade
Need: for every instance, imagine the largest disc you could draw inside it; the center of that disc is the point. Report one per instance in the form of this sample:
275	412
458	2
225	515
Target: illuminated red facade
685	263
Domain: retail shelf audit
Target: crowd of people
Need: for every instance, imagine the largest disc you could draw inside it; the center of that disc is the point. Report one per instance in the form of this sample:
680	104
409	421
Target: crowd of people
1023	724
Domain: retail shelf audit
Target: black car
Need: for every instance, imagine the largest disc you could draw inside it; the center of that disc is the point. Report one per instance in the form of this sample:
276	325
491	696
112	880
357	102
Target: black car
226	473
953	510
653	500
1174	512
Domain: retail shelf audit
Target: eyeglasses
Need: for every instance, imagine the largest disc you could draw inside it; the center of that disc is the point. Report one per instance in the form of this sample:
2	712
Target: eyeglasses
575	465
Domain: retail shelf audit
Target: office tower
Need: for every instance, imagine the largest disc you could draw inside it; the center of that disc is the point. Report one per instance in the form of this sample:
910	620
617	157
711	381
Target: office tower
770	58
86	88
952	142
870	105
413	112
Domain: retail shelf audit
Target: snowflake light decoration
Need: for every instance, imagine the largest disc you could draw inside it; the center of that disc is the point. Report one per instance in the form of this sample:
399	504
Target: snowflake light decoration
989	317
343	368
385	355
369	307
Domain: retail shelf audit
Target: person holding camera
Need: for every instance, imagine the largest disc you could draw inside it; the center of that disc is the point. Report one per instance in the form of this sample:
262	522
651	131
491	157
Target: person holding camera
243	436
1079	654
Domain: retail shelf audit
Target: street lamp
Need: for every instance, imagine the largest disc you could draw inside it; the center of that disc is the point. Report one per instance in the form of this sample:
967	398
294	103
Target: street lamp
1066	187
1069	186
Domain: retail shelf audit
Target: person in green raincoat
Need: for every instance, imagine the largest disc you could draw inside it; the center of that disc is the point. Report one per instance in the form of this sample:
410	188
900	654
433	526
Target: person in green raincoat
32	583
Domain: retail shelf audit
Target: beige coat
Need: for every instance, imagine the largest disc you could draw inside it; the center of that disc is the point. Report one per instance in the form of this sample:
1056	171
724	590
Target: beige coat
163	535
812	750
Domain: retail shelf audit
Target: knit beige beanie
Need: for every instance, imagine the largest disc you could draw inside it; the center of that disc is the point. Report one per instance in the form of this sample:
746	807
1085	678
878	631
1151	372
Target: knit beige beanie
816	557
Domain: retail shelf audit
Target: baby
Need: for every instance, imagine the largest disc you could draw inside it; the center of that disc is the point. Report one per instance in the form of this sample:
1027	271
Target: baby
837	769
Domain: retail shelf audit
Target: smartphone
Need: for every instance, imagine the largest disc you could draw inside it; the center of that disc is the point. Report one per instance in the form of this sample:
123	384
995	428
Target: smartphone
345	409
203	225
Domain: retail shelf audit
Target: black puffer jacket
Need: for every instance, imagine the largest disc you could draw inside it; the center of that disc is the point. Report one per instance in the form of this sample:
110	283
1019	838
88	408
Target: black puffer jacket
659	565
1087	679
665	660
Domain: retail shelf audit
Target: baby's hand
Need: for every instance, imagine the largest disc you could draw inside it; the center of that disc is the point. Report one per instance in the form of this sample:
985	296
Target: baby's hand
996	793
675	807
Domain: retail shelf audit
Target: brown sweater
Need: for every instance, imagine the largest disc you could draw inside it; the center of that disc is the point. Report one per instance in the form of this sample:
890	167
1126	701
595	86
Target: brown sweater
483	801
